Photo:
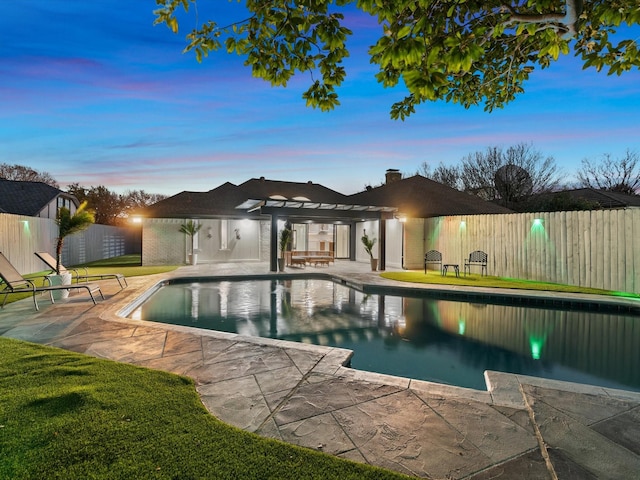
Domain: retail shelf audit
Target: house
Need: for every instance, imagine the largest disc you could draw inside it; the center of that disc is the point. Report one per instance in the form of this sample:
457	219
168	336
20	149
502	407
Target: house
241	222
420	197
34	199
585	199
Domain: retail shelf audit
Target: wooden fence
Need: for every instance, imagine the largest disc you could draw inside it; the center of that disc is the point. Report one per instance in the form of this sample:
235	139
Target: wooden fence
595	248
21	237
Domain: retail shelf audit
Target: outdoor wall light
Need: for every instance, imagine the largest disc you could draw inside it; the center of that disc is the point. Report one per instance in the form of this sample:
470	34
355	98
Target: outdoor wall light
237	232
537	222
209	232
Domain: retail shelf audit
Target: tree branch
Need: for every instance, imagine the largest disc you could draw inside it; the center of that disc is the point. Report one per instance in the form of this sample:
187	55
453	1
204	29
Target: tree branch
565	23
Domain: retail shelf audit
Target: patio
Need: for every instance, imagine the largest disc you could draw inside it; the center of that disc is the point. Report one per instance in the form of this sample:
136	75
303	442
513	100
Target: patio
522	427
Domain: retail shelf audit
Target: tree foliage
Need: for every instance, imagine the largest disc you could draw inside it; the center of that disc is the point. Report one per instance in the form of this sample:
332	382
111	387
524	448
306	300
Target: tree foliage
110	207
469	52
69	224
450	176
617	175
25	174
480	169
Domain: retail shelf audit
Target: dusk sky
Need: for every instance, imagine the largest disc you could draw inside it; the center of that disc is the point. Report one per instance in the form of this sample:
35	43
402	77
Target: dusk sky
92	92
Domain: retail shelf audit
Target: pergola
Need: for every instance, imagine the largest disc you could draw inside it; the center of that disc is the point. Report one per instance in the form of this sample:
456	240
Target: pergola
303	210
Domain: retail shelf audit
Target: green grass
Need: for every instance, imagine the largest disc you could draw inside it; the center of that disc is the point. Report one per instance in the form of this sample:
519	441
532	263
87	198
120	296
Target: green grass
68	415
476	280
127	265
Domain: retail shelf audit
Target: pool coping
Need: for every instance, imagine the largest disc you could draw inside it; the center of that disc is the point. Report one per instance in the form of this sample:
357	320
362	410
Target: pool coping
302	394
503	388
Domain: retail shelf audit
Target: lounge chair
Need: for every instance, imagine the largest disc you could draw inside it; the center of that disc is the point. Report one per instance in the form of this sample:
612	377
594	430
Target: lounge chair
48	259
14	282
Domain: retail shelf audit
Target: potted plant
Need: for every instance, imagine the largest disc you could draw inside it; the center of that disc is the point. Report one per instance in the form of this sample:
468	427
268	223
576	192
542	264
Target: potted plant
68	225
285	236
368	246
190	229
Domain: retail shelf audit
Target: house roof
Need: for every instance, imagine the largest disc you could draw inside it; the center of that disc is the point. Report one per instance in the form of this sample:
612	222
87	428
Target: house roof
604	198
27	198
261	188
420	197
224	200
416	196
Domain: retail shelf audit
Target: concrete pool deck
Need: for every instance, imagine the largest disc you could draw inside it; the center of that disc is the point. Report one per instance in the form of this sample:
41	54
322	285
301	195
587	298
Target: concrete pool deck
521	427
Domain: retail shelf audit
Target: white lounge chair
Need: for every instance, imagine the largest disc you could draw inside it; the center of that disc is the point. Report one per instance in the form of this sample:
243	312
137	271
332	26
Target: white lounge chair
48	259
14	282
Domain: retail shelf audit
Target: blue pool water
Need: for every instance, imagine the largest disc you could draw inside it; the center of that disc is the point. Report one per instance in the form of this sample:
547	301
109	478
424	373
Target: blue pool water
418	337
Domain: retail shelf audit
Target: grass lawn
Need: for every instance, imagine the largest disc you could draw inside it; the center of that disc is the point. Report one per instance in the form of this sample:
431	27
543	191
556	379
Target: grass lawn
127	265
475	280
72	416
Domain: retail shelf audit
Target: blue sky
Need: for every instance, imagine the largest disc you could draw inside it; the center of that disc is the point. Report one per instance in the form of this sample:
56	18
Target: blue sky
92	92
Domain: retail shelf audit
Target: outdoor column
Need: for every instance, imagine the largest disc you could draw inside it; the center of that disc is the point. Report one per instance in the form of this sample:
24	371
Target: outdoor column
273	245
382	230
353	241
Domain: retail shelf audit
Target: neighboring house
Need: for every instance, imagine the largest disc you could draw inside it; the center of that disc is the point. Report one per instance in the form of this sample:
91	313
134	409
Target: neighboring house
586	198
241	222
34	199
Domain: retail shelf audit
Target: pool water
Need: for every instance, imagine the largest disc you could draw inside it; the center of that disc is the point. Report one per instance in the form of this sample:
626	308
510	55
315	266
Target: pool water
417	337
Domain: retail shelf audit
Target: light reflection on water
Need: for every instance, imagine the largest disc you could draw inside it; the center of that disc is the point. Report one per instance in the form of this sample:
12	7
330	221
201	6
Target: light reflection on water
416	337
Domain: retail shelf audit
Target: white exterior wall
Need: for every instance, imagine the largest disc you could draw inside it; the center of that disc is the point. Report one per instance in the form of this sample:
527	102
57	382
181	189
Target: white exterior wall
394	241
164	244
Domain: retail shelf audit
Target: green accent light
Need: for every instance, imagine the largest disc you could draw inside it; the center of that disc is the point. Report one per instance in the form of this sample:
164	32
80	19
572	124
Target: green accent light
536	345
462	325
27	230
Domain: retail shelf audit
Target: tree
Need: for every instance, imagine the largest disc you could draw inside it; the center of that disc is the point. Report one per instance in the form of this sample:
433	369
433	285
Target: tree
450	176
25	174
134	200
106	205
69	224
111	208
510	175
468	52
621	175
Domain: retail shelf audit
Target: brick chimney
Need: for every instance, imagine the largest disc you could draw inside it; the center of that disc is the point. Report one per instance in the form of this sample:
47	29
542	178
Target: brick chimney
392	175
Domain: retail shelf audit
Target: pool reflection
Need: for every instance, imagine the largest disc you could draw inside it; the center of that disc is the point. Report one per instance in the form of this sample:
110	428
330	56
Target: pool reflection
423	338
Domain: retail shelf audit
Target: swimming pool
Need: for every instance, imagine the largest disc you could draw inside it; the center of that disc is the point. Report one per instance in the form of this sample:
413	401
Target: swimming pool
412	335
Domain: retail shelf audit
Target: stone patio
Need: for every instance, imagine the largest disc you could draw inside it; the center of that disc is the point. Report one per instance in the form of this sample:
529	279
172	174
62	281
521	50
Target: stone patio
521	427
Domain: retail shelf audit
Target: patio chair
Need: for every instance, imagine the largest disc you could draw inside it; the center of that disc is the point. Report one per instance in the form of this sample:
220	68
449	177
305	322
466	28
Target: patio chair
433	257
476	259
14	282
48	259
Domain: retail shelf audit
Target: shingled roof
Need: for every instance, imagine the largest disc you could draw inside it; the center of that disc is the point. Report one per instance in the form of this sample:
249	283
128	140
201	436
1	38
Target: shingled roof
416	196
27	198
223	200
601	198
420	197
